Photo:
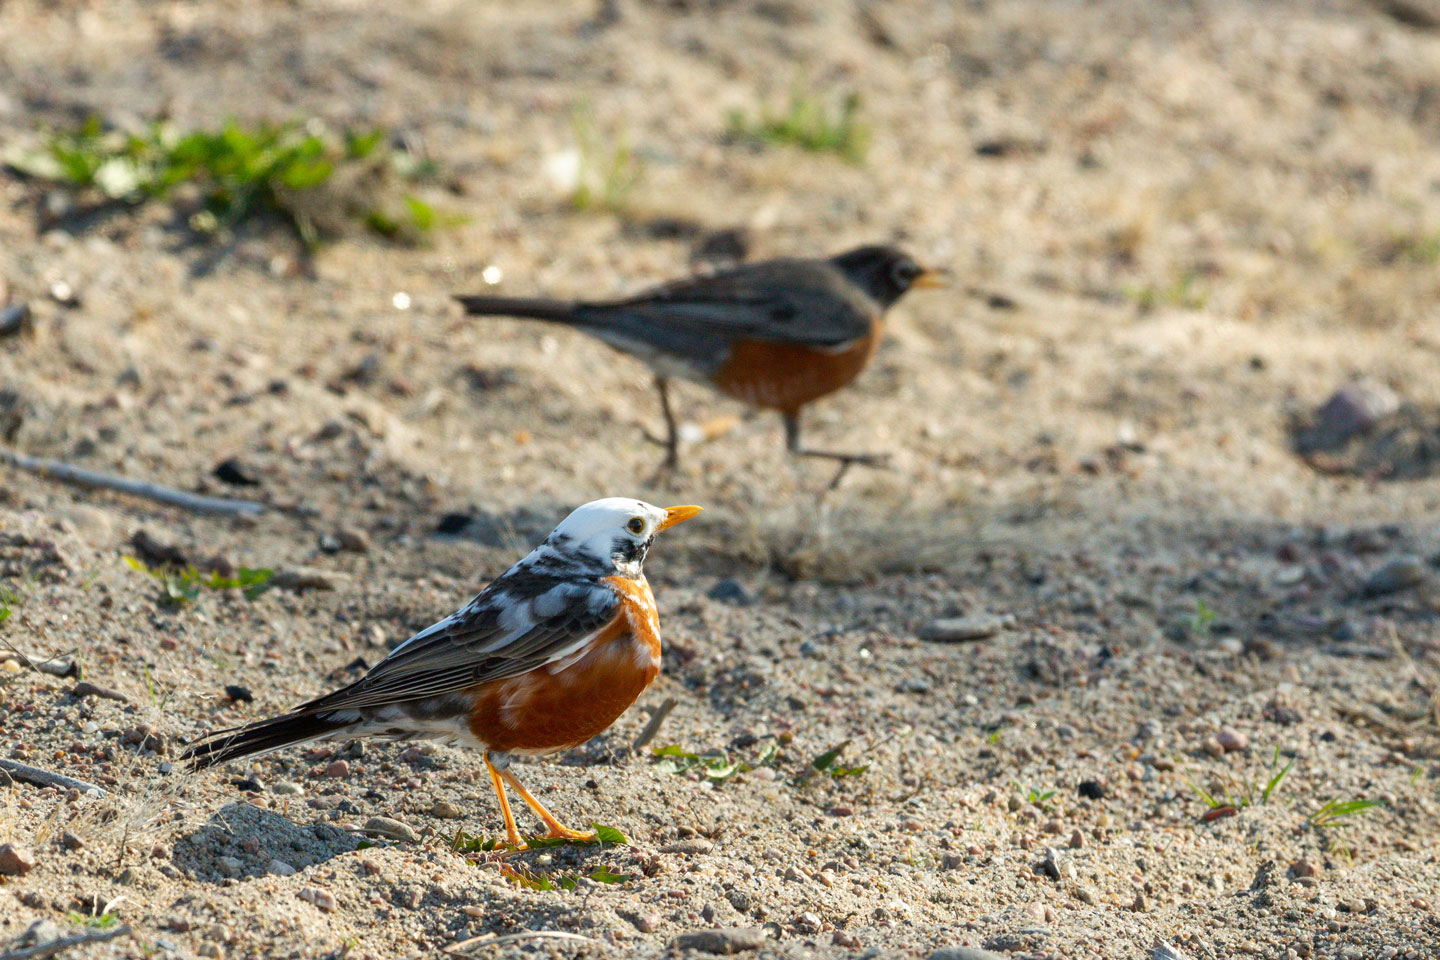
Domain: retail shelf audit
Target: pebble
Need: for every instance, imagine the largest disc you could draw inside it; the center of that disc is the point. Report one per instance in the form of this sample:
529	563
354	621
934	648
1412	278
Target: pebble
1399	574
645	922
1091	790
322	898
229	866
445	810
731	591
337	769
723	941
71	841
303	578
281	869
1077	840
1231	740
353	539
694	846
16	319
965	953
211	951
1303	868
287	788
976	626
1352	409
1218	813
1213	746
239	694
15	860
236	472
394	829
85	689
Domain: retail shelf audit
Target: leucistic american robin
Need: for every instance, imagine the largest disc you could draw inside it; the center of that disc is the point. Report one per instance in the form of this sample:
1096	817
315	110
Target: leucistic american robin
544	658
775	335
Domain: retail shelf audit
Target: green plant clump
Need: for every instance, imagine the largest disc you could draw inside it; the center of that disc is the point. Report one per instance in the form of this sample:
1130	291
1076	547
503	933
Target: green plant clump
807	123
240	171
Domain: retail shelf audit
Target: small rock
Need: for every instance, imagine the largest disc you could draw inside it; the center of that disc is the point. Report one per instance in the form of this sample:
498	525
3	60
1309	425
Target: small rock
322	898
809	922
337	769
694	846
645	922
238	693
303	578
370	865
1218	813
965	953
1354	408
229	866
1077	840
724	941
1163	951
16	320
15	860
394	829
287	788
211	951
731	591
963	629
1213	746
281	869
85	689
1303	868
375	635
1231	740
353	539
445	810
234	471
1402	573
1091	789
1016	803
71	841
64	294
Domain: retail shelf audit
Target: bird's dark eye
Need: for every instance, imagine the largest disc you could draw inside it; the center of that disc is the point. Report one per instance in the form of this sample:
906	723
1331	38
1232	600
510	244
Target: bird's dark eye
636	525
906	271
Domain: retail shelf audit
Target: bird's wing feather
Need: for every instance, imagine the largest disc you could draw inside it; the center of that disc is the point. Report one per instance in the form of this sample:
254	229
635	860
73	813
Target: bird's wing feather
794	301
511	628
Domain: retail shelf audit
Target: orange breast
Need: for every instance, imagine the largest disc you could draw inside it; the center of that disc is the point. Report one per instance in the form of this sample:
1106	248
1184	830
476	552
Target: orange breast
785	377
563	704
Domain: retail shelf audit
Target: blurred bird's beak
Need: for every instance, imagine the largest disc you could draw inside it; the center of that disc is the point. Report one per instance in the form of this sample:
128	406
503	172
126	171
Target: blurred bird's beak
933	278
674	515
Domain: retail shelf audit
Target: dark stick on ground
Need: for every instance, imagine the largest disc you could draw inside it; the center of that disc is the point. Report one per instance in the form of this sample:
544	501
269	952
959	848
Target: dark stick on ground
44	778
59	470
52	947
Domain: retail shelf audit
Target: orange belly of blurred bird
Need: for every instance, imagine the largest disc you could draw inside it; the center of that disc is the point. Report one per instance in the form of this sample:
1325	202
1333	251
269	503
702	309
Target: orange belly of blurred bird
785	377
561	705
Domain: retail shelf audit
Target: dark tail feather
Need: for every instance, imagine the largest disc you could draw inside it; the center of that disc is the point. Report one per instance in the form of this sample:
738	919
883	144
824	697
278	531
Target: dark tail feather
556	311
261	737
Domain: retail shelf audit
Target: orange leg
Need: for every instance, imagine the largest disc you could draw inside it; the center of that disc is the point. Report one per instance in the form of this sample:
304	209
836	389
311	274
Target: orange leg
557	829
511	833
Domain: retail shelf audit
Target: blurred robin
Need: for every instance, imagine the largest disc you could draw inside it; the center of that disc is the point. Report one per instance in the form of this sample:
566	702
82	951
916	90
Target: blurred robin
776	335
544	658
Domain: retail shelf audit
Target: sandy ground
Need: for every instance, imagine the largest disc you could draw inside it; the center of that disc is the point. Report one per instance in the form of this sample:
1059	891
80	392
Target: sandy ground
1175	229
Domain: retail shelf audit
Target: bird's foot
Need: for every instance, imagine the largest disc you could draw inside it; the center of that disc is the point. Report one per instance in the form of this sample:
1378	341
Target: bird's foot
561	832
875	461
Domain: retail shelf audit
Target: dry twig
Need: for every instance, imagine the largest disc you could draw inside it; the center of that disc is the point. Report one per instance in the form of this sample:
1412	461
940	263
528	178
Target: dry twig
59	470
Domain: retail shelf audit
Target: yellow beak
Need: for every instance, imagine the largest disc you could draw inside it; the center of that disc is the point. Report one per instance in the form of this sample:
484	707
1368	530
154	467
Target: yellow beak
932	279
674	515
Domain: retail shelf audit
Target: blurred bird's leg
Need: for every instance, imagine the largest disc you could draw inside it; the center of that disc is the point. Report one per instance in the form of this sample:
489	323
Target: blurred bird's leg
511	834
846	460
557	829
671	443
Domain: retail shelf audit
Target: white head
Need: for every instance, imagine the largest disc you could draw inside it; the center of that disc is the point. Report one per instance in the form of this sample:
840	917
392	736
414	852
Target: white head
615	531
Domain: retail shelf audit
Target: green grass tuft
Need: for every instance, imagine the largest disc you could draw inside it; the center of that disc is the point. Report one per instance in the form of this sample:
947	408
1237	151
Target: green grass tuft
240	172
807	123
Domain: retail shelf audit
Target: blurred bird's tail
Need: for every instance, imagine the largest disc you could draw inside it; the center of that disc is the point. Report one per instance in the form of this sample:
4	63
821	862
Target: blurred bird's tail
556	311
262	737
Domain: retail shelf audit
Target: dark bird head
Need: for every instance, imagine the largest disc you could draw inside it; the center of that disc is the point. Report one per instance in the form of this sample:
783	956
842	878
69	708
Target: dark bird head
885	273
